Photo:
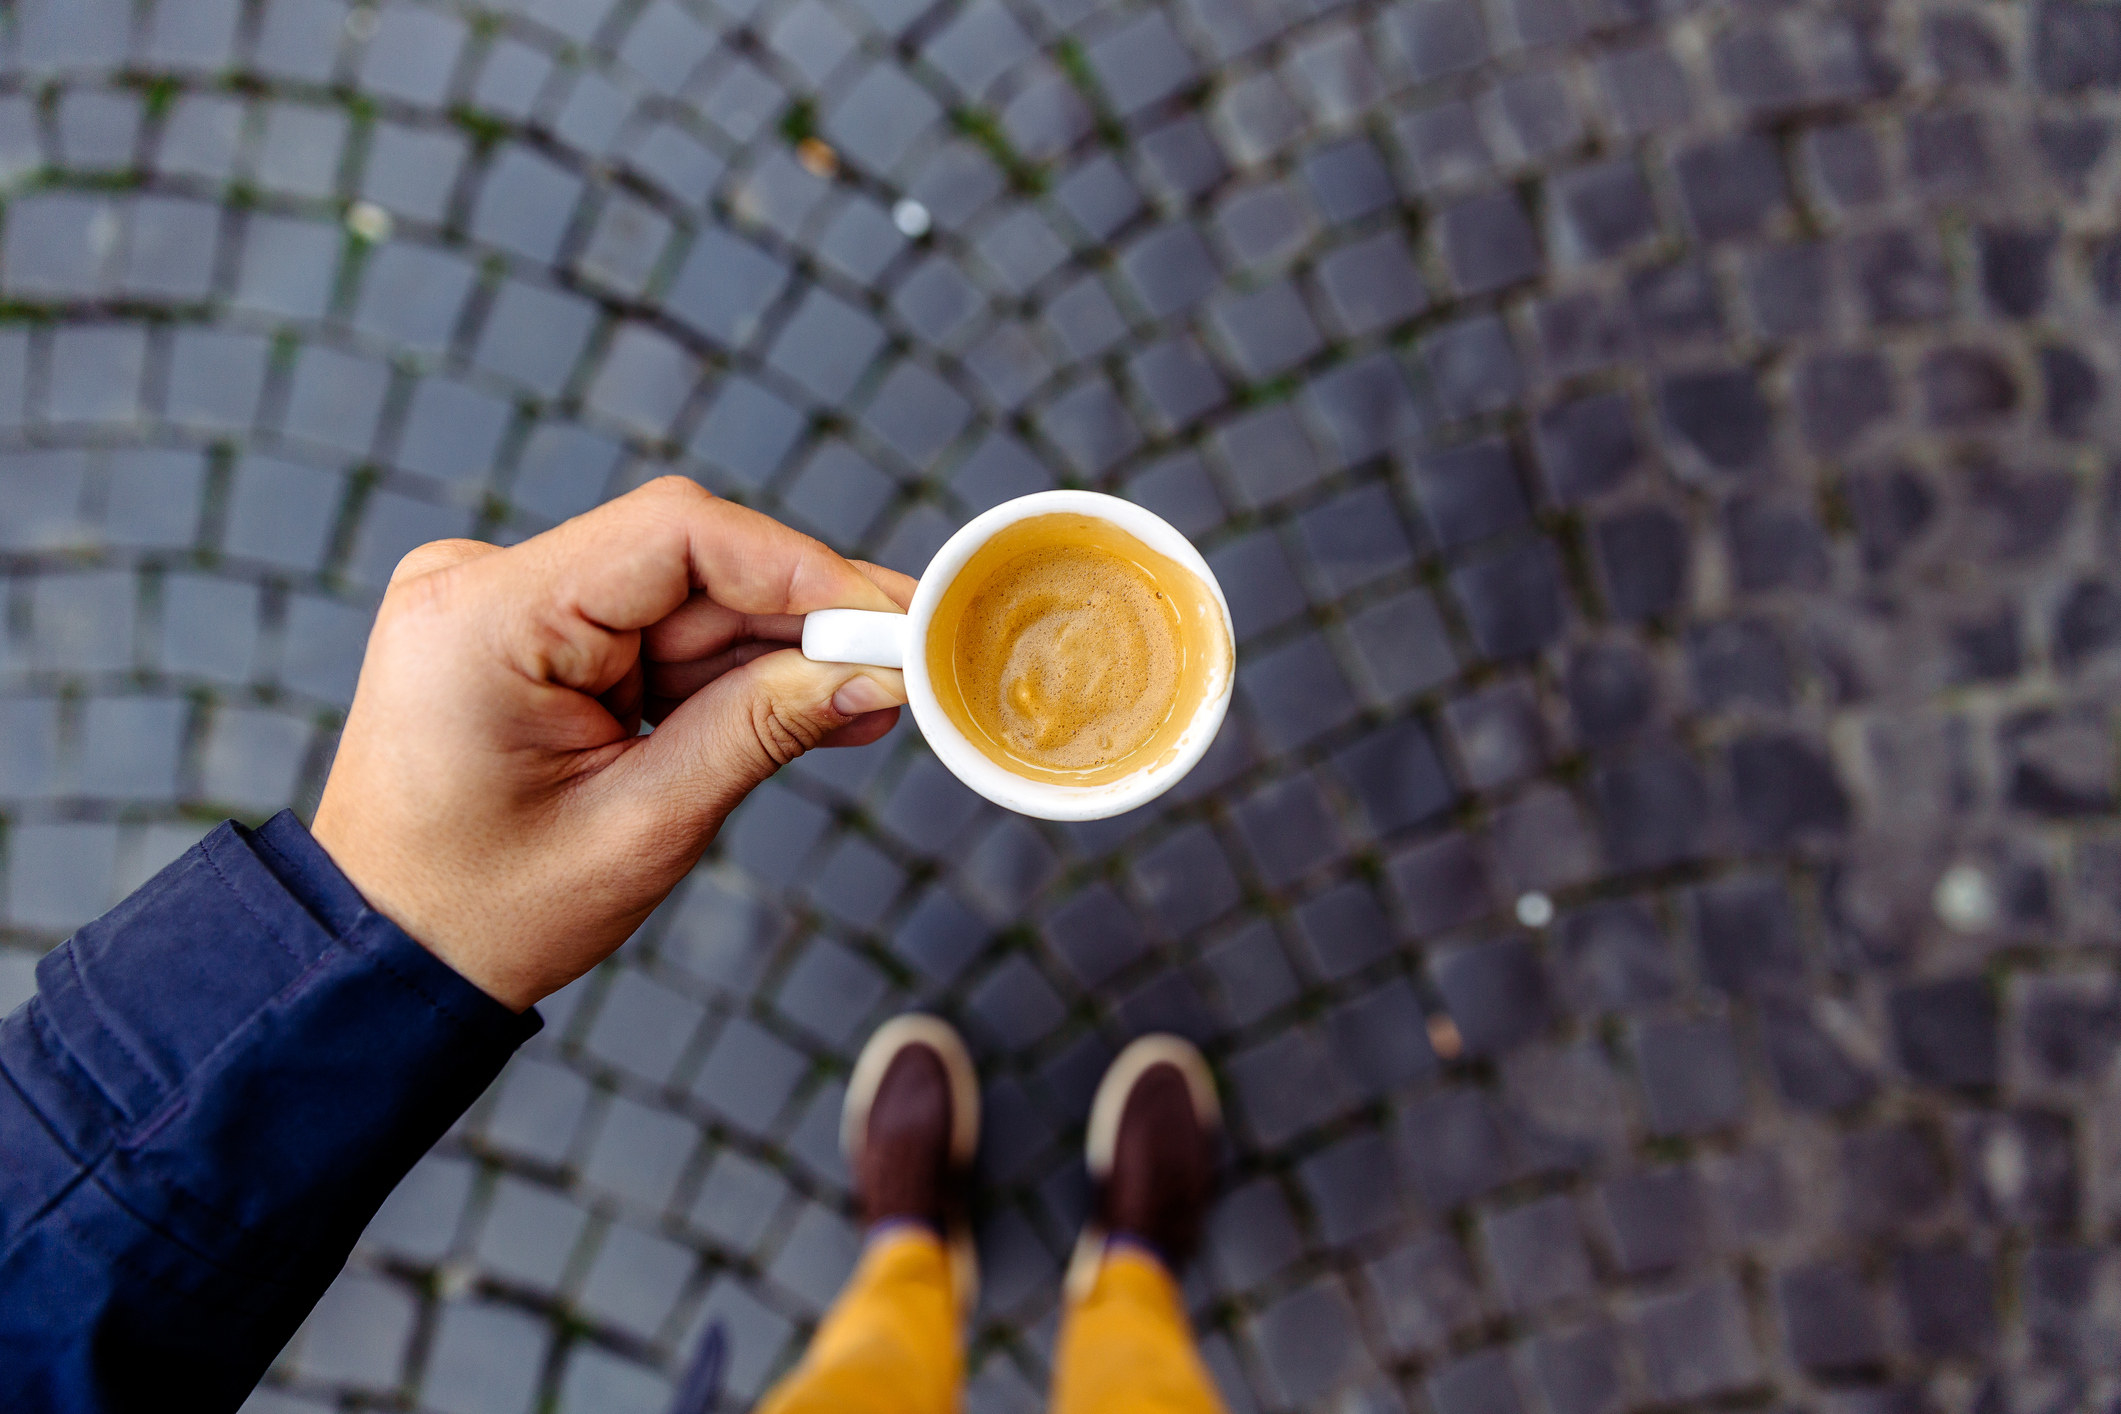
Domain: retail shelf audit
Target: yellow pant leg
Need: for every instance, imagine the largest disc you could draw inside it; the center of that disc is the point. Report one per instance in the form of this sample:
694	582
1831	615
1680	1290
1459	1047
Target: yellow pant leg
1126	1348
889	1345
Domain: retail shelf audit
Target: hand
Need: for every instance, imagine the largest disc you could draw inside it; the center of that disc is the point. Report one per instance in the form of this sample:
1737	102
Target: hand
492	795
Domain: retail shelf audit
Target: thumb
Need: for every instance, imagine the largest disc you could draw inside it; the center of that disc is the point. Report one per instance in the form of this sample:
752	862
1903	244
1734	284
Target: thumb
748	723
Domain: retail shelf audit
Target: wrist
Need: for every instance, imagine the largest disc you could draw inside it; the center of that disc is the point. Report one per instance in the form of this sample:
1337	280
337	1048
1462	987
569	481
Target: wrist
382	889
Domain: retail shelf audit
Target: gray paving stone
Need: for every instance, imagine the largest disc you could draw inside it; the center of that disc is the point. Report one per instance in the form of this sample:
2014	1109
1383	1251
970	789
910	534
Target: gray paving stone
420	1219
153	499
1537	1253
202	134
538	1112
301	149
644	382
1488	243
131	748
749	1075
359	1334
413	171
634	1281
642	1027
31	766
46	492
299	39
638	1154
524	204
1480	1383
83	622
414	295
1690	1074
511	78
1694	1341
392	526
485	1359
321	647
535	335
528	1234
60	876
253	759
1658	317
452	432
199	37
825	345
595	1379
287	266
58	246
98	130
821	1249
96	373
1308	1341
215	379
879	117
738	1199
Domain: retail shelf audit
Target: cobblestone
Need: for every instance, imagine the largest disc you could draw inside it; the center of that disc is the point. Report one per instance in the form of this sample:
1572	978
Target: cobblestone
1653	458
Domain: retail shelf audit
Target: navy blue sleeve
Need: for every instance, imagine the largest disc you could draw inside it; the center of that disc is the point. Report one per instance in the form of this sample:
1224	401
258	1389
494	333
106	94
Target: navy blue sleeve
214	1088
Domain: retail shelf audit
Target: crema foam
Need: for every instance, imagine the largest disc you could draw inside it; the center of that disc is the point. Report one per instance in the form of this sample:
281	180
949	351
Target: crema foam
1069	651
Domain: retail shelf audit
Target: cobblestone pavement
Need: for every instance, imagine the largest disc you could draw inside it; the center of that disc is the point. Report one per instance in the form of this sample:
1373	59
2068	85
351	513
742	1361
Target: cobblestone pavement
1652	908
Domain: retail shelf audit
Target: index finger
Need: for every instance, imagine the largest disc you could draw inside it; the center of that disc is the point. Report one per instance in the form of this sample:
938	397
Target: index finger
631	561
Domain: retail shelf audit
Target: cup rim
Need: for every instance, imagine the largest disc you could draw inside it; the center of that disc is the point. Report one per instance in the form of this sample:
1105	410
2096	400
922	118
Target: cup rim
1045	799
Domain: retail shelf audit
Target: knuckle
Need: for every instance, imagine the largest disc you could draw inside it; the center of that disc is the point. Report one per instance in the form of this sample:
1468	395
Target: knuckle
676	490
782	734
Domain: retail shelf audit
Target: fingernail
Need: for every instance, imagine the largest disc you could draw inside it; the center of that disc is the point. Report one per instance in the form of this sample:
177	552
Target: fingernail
862	694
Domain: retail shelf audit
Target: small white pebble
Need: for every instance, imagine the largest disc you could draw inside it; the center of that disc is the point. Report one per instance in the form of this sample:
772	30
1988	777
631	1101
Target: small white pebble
1965	899
361	24
911	218
369	221
1535	909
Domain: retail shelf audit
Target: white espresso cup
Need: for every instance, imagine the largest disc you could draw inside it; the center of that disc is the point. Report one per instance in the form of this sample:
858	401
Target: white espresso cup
881	640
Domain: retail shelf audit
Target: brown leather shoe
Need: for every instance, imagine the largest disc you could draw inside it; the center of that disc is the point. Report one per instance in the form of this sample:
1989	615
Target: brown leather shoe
909	1131
1151	1154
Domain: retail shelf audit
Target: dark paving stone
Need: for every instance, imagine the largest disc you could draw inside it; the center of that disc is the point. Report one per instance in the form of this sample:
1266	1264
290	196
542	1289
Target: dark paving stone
1718	417
1811	1067
1167	258
1690	1075
1945	1033
1642	561
1442	883
1730	187
1580	1370
1827	1317
1488	243
1784	790
1947	1298
1656	1220
1745	932
1537	1254
1653	807
1496	992
1480	1383
1513	599
1587	447
1425	1291
1694	1342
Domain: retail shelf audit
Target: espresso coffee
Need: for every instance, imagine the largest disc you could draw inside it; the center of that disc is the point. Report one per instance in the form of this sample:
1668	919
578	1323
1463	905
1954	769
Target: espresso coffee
1069	651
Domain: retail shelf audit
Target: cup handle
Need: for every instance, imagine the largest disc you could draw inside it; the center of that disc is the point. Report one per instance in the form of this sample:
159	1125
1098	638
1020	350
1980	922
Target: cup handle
875	640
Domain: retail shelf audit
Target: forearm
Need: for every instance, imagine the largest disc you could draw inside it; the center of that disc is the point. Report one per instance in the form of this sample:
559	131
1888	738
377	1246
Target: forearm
215	1087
